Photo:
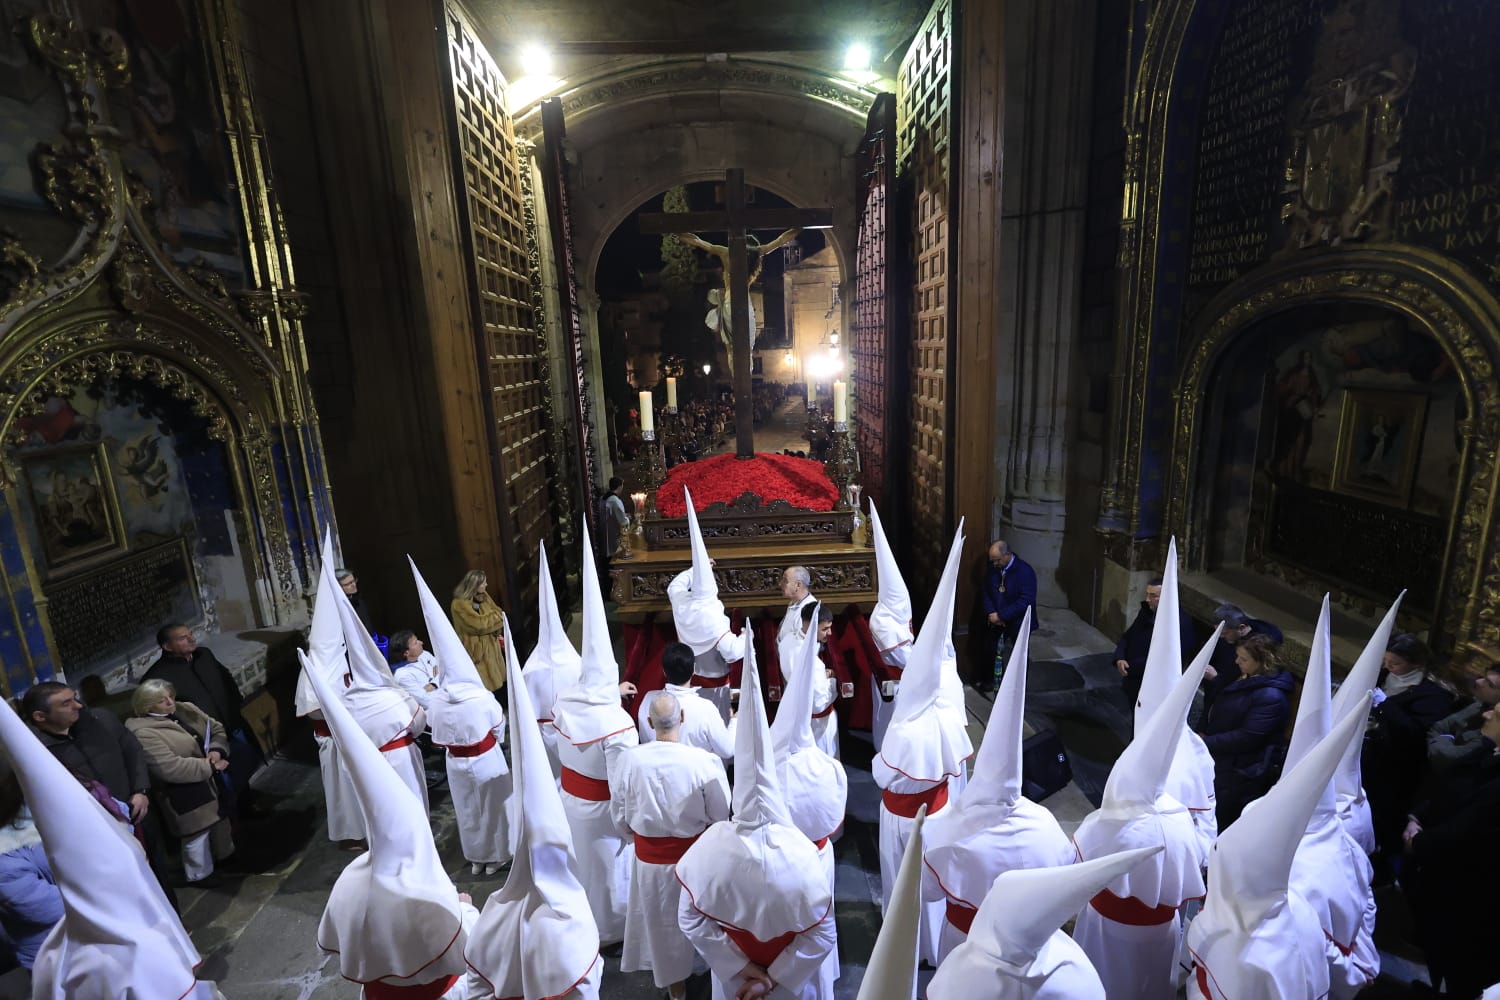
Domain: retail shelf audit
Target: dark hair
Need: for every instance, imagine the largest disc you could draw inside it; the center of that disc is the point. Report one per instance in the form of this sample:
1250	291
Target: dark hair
398	643
164	634
1231	615
808	610
677	663
1411	649
38	698
1155	581
825	613
615	482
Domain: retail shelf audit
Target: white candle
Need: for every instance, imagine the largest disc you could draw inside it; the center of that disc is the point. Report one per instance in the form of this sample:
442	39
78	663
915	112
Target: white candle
648	423
840	403
812	393
671	393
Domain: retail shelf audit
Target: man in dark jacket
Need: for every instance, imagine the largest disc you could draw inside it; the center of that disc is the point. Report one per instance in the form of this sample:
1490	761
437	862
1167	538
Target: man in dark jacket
1009	592
1238	626
93	745
1131	650
200	678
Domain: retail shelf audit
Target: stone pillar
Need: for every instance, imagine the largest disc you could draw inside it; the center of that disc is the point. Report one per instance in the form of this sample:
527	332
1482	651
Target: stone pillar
1049	56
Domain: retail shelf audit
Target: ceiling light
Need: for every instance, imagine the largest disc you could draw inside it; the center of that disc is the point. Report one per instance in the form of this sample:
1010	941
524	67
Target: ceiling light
536	61
857	57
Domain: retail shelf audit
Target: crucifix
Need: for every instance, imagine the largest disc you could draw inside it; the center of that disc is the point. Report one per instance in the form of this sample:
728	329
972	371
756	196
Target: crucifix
737	221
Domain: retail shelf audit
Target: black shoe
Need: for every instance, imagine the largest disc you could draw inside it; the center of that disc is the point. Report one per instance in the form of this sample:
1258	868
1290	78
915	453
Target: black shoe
213	881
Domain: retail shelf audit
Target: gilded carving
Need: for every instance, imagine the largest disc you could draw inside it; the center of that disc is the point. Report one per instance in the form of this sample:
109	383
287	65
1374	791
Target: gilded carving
1345	145
20	270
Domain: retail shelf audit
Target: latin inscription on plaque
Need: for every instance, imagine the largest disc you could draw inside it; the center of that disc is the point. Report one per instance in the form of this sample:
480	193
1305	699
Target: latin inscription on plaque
106	612
1259	66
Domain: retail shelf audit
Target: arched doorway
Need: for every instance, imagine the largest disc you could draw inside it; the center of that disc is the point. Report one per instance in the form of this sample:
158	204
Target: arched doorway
1346	401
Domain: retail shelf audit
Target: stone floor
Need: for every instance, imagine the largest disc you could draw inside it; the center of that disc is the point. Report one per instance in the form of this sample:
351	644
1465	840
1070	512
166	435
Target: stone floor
257	931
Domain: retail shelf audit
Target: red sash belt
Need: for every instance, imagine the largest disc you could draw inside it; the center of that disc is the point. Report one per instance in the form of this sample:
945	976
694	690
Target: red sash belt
906	805
826	712
404	740
421	991
820	843
762	953
663	850
1131	911
581	786
320	728
961	915
1203	981
710	682
473	749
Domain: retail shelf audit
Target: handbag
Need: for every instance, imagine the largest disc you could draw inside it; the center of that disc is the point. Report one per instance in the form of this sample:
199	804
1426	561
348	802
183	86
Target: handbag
1044	765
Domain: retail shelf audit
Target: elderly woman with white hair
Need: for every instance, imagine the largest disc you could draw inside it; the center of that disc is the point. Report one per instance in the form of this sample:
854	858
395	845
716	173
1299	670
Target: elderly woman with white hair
185	750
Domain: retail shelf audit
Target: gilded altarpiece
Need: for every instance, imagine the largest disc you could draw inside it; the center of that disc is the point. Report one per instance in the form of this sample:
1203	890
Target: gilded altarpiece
143	264
1295	155
923	148
499	212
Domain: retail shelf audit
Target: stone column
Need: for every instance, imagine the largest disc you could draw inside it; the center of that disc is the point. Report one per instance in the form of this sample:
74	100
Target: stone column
1049	55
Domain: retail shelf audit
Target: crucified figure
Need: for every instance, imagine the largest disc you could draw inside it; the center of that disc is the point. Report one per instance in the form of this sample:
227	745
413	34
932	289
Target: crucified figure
752	245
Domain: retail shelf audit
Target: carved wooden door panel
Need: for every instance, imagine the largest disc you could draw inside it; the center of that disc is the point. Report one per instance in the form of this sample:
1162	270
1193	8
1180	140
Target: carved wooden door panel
510	337
879	330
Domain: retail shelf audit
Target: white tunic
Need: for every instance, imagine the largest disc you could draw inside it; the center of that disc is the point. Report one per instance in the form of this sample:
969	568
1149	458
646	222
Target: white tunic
1354	811
604	856
480	783
965	849
895	831
1331	872
791	622
345	821
881	708
1281	958
663	789
1060	971
387	714
1137	957
415	675
702	727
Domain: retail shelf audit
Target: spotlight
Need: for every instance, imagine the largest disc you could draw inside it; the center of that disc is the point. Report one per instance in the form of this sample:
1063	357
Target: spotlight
857	58
536	61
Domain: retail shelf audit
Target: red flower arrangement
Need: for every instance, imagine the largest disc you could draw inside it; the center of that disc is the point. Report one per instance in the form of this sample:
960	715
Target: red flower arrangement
801	482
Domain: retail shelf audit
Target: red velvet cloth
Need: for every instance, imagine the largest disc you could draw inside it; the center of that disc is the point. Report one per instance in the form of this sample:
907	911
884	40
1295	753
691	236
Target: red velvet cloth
851	654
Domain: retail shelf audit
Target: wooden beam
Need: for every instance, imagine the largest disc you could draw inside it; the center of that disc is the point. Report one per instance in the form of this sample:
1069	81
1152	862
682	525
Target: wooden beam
739	317
652	223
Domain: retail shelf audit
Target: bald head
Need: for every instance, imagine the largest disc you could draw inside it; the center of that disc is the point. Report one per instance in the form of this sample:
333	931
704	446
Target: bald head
1000	554
665	716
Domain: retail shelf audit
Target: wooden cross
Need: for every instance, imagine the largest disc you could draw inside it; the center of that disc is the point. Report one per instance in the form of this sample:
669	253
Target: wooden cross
737	221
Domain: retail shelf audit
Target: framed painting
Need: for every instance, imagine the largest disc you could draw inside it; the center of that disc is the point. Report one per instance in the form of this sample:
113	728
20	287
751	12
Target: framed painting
1379	444
73	500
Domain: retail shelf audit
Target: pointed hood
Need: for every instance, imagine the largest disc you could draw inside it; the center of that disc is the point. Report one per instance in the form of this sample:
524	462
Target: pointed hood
1025	907
393	913
325	637
457	674
118	935
757	785
1140	774
553	649
367	667
814	785
1164	658
997	766
892	972
702	580
890	621
536	936
792	729
1315	709
600	671
1357	683
1251	862
922	677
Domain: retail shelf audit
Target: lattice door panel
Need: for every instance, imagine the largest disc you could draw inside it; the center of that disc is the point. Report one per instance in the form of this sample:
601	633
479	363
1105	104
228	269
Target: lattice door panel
874	346
924	95
515	352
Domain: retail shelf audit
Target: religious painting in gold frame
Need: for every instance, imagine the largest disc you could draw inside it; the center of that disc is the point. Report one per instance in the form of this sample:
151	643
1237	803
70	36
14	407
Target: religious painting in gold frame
73	501
1379	444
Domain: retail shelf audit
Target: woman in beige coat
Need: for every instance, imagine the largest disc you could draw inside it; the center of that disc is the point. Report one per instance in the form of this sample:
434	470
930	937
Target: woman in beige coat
183	764
480	625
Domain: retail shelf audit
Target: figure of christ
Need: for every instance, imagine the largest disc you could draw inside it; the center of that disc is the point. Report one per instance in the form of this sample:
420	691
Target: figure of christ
726	334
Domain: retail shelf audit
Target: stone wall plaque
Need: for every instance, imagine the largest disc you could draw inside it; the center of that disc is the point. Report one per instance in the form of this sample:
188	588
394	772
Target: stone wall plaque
108	612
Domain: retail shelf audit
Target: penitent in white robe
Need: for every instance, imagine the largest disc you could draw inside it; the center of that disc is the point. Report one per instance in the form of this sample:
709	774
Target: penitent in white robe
387	714
345	821
965	849
1282	957
464	717
895	831
604	856
663	789
701	725
1060	971
1137	957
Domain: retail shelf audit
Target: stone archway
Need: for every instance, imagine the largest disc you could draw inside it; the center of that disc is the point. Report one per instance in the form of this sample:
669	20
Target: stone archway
1436	296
